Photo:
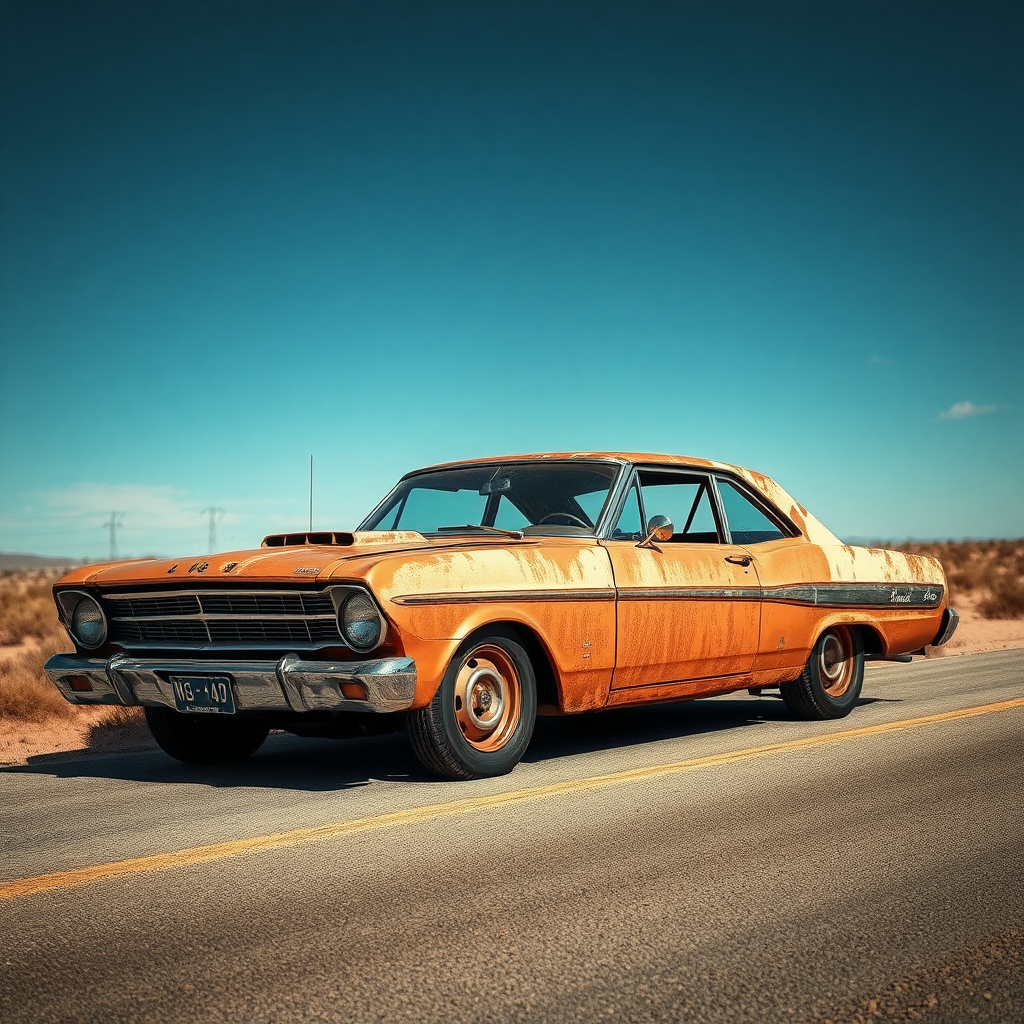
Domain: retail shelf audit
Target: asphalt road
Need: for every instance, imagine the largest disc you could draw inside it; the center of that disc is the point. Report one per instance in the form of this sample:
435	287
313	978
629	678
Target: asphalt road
704	861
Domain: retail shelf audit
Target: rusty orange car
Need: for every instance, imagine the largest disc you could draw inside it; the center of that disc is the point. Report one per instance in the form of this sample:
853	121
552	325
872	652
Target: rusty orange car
480	594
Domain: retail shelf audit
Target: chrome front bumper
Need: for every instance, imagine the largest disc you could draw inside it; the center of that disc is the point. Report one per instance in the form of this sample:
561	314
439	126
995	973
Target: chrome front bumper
290	684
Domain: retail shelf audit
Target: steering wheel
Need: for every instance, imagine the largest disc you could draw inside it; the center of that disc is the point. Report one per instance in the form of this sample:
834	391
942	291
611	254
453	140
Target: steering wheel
573	520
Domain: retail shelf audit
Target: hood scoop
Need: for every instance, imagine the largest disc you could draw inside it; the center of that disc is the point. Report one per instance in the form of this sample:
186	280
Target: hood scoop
341	539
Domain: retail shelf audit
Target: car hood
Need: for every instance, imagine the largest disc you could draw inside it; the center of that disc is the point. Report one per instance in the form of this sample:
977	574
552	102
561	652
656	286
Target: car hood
293	562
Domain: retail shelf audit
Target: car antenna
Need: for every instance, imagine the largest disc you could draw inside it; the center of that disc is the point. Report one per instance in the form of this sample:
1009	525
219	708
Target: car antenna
310	492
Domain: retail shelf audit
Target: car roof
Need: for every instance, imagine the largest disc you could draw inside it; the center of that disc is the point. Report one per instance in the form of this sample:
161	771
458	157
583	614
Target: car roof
808	525
627	457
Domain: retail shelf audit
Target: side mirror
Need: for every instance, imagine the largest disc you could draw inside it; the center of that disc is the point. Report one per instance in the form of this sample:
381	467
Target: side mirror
658	528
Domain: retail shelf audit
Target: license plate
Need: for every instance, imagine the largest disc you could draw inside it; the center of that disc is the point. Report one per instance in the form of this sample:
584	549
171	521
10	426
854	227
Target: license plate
203	695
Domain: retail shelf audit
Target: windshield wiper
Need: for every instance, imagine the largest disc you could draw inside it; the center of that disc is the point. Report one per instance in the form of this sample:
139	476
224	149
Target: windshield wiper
514	534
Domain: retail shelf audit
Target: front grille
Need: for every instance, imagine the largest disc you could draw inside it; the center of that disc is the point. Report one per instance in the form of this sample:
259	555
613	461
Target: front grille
178	604
267	604
265	631
269	618
173	631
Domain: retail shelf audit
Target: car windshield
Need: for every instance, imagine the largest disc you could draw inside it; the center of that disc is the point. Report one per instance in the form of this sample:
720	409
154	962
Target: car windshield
534	497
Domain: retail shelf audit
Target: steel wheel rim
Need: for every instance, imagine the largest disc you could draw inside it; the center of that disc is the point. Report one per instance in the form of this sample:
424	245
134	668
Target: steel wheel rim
488	698
835	661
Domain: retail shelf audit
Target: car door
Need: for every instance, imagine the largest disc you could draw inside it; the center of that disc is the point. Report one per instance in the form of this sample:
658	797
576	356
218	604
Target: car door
686	608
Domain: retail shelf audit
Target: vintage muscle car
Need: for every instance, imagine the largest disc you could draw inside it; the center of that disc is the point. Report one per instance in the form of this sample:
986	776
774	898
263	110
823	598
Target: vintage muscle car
479	594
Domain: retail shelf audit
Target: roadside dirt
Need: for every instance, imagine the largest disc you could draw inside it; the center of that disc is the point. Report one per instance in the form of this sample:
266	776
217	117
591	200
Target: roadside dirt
91	731
976	634
107	730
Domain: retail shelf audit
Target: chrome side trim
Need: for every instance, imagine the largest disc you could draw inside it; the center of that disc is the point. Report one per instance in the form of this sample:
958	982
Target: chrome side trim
862	595
241	645
506	597
238	591
689	594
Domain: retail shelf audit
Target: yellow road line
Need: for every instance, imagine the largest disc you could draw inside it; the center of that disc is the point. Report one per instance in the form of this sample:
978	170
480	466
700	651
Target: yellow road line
276	841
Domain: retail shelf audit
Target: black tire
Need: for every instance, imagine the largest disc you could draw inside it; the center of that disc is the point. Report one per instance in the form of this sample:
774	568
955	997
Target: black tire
481	719
201	739
830	683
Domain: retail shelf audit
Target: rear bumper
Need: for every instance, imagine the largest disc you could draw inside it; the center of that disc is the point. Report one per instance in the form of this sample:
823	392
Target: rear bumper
291	684
950	620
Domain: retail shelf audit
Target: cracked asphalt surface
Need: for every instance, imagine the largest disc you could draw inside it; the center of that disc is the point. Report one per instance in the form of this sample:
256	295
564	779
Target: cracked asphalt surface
874	877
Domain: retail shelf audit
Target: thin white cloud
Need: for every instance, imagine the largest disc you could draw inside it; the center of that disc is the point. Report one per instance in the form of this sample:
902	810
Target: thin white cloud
158	507
158	518
879	361
962	410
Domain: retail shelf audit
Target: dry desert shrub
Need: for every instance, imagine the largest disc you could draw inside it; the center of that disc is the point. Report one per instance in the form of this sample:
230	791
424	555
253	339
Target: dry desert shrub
972	575
26	693
27	612
991	571
120	727
27	608
1005	600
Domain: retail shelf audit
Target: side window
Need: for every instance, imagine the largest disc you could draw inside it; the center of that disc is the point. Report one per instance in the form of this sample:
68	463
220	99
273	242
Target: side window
747	523
628	527
686	500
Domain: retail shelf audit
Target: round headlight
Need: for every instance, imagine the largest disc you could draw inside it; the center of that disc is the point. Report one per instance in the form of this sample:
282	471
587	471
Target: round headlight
360	622
88	623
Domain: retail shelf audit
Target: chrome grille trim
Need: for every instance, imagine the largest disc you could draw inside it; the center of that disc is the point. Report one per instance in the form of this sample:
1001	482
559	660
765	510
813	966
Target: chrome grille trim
292	619
299	603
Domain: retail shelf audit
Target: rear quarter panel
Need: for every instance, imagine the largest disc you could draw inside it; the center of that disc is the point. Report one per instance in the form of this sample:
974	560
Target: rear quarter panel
880	582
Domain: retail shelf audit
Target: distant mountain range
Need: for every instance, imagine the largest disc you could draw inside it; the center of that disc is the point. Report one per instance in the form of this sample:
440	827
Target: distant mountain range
15	562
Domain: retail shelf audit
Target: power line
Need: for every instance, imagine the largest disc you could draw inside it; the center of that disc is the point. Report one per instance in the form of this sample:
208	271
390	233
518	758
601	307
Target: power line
113	524
214	513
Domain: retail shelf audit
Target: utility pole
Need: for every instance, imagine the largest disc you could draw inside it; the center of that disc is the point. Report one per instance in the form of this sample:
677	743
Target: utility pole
113	523
214	514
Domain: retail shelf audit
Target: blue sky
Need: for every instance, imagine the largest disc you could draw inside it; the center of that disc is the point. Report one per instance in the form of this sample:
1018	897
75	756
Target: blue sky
785	235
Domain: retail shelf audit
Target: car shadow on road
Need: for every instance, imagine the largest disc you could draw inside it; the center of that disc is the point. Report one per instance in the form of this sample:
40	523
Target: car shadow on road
288	762
284	762
623	727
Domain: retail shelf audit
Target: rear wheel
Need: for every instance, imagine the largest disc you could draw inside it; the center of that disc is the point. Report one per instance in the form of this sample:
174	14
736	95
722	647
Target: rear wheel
830	683
481	719
201	739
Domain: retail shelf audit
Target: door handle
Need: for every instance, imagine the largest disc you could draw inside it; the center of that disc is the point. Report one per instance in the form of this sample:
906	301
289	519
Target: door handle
739	559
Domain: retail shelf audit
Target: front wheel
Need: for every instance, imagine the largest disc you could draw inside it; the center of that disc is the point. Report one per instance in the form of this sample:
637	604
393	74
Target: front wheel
831	680
203	739
481	719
